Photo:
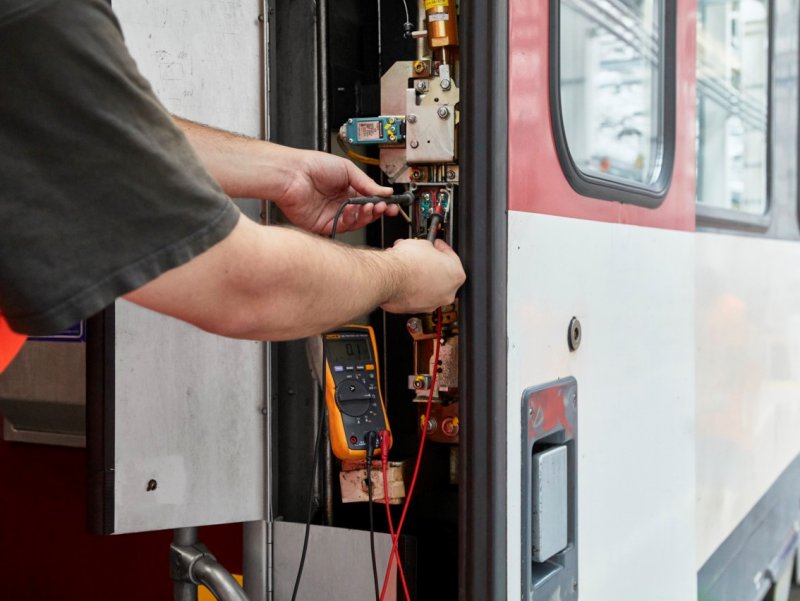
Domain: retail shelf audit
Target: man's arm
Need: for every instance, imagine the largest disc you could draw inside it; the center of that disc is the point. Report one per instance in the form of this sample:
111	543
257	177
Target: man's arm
273	283
308	186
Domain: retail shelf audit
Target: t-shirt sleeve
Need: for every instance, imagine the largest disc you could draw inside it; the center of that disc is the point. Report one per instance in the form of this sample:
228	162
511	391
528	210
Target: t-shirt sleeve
99	191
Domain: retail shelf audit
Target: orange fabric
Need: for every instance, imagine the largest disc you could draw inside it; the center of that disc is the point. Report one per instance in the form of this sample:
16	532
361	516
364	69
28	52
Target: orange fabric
10	343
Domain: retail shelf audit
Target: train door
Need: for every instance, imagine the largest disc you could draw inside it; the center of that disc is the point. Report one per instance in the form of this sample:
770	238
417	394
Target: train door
601	285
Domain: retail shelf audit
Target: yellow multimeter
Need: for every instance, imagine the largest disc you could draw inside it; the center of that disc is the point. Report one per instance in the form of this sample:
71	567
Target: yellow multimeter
352	390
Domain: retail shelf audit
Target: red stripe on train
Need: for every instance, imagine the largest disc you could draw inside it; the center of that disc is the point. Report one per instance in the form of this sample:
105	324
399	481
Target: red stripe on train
536	180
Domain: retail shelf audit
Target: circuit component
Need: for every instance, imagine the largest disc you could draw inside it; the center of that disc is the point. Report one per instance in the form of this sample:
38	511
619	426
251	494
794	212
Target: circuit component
430	199
442	28
423	331
375	130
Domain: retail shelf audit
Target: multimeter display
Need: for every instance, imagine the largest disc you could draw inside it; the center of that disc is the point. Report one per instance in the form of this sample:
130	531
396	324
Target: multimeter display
341	352
353	396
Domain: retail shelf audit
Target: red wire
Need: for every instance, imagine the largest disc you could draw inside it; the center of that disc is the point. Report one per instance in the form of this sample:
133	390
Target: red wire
419	453
385	468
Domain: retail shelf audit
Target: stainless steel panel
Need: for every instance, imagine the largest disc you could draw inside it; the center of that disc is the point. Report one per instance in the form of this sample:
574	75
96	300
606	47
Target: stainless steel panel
188	417
338	564
188	424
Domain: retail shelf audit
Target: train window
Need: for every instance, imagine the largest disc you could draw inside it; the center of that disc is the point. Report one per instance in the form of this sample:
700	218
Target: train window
614	97
732	104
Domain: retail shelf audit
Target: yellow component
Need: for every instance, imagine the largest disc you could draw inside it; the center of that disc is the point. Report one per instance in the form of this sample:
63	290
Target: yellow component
354	155
429	4
370	367
203	594
455	422
391	120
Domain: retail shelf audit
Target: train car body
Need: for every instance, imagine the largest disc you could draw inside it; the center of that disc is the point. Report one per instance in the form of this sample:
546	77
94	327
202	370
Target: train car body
624	196
686	369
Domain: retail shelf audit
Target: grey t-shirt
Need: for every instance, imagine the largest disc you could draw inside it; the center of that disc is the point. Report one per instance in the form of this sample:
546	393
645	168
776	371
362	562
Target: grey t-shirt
99	191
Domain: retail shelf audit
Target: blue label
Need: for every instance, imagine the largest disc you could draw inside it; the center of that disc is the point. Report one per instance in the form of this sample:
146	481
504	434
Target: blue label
75	333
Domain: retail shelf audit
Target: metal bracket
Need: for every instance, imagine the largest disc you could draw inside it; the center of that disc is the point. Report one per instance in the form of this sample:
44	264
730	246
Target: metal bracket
549	491
192	564
182	560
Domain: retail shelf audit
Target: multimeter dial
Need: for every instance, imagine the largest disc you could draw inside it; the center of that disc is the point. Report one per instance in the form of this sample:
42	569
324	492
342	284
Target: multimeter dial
353	397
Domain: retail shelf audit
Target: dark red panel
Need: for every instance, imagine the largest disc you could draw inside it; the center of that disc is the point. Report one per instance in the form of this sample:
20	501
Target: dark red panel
536	181
45	552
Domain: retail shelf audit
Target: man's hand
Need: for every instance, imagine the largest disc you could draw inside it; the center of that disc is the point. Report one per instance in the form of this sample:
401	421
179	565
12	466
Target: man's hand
308	186
320	184
433	274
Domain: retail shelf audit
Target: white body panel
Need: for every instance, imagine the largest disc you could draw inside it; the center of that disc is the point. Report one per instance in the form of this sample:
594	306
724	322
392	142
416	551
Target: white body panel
633	290
748	376
188	404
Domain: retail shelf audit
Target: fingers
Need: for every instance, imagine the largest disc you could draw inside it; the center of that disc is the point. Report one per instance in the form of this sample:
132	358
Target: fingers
364	184
443	246
357	216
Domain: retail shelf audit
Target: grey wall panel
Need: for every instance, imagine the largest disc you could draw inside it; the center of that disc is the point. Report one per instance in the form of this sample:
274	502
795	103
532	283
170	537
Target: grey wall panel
338	564
188	404
188	417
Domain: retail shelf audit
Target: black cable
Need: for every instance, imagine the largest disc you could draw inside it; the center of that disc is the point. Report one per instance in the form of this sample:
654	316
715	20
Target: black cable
404	199
436	221
370	450
315	461
317	444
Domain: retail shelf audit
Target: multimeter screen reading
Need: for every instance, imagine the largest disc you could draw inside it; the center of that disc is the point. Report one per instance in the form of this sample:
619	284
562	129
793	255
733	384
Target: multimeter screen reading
347	351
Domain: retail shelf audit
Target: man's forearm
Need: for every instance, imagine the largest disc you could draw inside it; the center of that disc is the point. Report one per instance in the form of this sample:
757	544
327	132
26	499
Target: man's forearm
274	284
243	167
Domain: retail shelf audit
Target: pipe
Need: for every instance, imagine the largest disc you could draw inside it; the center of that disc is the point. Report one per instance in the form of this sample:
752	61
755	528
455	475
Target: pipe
324	133
217	579
184	591
422	41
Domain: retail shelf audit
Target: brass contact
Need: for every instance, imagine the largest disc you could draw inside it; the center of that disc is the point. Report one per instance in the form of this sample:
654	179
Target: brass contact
442	24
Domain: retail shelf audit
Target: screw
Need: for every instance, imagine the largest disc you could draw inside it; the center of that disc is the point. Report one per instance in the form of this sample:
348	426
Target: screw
419	67
574	334
416	174
443	112
445	83
451	174
422	86
414	144
350	140
411	118
350	121
151	485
